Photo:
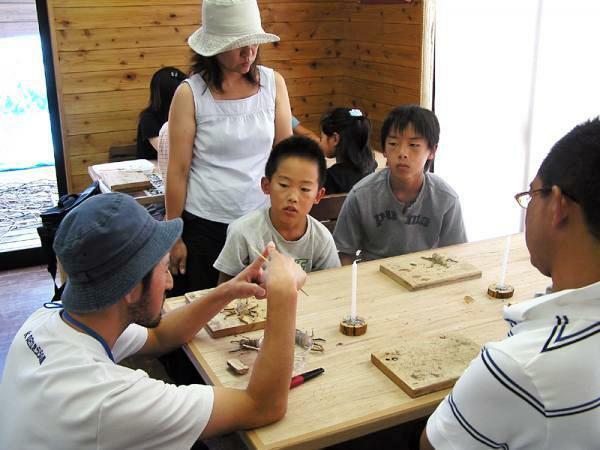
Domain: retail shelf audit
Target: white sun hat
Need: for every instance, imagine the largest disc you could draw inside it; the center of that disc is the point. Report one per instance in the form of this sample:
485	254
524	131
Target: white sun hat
228	24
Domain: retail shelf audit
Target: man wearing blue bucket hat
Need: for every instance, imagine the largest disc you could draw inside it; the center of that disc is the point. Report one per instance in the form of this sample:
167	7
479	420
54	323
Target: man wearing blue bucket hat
62	386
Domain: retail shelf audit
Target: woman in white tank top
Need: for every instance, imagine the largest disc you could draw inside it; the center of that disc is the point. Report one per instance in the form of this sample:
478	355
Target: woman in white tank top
223	123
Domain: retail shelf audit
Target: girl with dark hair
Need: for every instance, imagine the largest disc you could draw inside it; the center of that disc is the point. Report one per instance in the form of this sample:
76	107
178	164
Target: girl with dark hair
345	136
222	125
163	84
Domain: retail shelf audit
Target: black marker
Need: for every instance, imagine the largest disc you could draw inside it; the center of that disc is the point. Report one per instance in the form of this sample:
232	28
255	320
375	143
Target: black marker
299	379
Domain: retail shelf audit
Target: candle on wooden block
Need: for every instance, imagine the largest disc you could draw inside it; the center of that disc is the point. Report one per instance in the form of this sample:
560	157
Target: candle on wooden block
353	325
501	289
504	262
353	300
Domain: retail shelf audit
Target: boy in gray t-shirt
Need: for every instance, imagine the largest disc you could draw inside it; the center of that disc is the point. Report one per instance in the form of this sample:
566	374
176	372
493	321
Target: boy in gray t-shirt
403	208
294	178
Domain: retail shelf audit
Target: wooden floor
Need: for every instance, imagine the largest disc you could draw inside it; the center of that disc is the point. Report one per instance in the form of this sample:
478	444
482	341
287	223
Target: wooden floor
22	291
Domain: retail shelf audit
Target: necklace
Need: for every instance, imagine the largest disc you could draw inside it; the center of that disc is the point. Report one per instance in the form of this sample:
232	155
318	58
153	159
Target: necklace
87	330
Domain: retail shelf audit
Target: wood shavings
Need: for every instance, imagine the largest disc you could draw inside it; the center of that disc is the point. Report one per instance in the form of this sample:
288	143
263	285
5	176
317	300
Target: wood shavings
442	260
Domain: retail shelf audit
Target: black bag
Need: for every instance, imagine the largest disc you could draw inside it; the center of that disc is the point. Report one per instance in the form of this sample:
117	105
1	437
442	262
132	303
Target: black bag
51	219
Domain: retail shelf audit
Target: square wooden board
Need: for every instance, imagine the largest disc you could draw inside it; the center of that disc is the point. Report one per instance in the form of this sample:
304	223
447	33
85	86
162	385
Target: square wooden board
227	325
421	273
126	180
422	366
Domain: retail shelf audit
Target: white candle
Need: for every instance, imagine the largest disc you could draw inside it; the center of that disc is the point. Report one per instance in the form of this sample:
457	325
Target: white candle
504	262
353	304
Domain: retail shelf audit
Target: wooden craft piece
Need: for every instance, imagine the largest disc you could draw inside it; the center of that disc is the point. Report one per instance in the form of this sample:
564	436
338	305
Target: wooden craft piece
356	327
497	291
125	180
429	271
423	366
237	366
229	320
196	295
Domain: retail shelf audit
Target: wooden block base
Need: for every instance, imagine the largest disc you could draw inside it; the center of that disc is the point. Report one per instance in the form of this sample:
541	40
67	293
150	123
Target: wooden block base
356	327
423	365
497	291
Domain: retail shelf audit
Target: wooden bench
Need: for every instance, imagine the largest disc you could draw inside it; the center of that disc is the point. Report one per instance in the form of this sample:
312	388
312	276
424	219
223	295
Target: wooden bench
328	209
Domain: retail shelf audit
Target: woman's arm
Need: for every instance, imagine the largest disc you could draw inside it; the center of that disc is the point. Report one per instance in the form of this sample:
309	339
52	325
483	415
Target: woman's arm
154	142
283	113
303	131
182	130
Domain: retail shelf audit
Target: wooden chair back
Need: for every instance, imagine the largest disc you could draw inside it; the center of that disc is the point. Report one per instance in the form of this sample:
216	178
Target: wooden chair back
122	153
328	209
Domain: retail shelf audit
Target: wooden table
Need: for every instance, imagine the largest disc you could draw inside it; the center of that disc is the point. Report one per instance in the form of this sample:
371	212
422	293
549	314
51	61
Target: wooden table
153	195
353	397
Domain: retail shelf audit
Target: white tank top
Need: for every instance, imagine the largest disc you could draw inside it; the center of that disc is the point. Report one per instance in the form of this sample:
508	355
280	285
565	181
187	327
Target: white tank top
233	141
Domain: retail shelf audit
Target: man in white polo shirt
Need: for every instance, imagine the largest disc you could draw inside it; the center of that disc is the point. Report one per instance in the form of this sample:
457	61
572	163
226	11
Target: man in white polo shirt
540	387
62	387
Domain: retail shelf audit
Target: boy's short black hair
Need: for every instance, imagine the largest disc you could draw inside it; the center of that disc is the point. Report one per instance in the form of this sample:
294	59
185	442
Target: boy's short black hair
300	147
423	121
573	164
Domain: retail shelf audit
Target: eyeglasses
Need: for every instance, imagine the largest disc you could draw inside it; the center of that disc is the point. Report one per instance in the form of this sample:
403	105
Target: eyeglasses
523	198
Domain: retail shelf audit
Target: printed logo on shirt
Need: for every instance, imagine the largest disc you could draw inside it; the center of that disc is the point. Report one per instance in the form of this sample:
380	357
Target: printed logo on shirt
36	349
417	220
411	219
302	262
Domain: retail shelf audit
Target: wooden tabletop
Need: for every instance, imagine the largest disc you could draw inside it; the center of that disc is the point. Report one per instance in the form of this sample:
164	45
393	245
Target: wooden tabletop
353	397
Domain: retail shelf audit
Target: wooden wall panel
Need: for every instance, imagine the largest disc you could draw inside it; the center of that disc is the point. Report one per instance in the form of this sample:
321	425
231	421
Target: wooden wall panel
83	144
407	14
117	38
332	53
125	16
109	80
114	59
382	51
97	102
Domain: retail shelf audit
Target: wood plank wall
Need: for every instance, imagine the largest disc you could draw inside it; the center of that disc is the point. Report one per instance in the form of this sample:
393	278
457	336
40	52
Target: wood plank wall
332	53
381	51
17	18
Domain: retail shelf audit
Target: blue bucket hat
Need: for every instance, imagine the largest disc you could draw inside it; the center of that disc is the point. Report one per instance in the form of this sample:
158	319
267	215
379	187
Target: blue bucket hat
106	246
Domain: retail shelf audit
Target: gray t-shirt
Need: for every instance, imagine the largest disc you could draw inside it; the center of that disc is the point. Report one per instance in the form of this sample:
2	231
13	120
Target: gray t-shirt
373	220
313	251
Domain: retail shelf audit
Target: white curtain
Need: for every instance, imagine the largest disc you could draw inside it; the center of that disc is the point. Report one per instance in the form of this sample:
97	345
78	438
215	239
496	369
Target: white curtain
511	78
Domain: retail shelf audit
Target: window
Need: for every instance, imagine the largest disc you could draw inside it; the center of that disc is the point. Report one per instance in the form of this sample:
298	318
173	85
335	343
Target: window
511	78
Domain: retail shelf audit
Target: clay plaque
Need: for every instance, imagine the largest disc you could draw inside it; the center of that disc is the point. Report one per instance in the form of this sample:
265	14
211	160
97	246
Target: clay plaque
423	366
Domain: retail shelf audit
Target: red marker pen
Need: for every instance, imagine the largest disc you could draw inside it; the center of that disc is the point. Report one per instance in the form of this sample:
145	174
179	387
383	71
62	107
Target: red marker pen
299	379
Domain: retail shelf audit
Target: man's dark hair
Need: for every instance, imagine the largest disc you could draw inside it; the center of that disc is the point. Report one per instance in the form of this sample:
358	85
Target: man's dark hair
424	122
354	131
212	74
573	164
300	147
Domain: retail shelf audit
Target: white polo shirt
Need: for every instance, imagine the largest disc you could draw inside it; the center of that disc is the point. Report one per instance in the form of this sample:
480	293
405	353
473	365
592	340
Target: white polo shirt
61	390
539	388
